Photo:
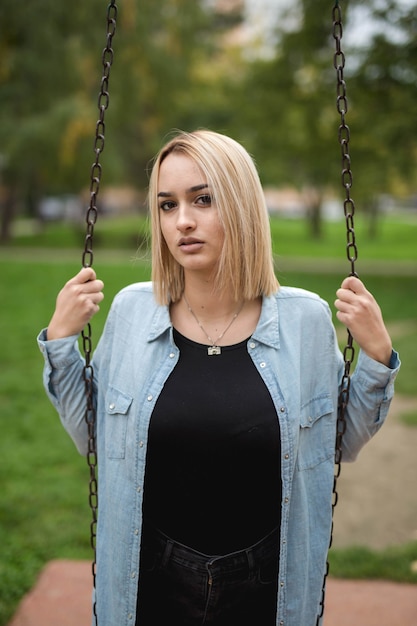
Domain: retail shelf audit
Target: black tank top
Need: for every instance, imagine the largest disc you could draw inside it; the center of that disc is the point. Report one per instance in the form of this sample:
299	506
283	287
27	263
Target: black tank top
213	469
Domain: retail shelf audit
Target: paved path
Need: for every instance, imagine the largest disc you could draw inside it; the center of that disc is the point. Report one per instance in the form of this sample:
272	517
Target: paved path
63	592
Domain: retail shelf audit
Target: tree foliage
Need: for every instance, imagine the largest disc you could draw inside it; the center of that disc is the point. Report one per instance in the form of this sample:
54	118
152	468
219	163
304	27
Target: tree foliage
50	78
384	110
45	88
174	67
292	118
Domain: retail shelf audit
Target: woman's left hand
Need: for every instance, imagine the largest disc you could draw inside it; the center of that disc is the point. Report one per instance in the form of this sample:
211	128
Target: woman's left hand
359	311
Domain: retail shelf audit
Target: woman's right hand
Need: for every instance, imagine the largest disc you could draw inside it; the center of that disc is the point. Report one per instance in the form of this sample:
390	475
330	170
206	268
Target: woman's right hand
76	304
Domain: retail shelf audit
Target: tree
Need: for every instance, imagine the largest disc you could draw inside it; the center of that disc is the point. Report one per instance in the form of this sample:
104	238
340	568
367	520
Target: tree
169	76
384	93
50	78
291	114
40	94
290	120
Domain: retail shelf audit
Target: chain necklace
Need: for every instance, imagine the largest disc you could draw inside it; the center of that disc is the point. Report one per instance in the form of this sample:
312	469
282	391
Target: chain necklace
213	349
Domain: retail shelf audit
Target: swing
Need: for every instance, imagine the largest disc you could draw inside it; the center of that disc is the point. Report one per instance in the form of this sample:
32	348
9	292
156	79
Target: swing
87	261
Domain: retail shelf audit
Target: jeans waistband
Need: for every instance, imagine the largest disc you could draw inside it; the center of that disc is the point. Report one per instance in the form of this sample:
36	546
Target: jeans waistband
247	558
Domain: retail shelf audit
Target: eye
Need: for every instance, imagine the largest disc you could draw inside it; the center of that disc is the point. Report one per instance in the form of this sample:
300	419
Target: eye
204	200
167	205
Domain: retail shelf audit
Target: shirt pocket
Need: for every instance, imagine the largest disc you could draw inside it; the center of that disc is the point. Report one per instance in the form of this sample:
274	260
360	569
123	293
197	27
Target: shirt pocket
317	432
116	416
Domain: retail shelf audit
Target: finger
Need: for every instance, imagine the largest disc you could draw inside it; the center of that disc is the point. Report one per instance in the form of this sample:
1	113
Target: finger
97	297
93	286
346	296
85	275
85	282
353	283
343	318
342	306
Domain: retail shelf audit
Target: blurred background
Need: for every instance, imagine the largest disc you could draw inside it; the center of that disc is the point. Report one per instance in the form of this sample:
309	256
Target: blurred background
261	71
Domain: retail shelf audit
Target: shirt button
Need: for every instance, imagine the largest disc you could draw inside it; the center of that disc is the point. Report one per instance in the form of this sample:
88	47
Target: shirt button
139	489
112	406
286	457
130	616
263	364
136	531
140	444
281	584
171	356
149	398
252	344
133	575
282	409
286	500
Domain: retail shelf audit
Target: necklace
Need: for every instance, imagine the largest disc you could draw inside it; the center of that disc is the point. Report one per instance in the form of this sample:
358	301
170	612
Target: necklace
213	349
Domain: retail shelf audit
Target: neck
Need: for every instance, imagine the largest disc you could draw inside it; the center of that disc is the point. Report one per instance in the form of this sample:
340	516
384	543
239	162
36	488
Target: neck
204	297
214	348
217	316
209	305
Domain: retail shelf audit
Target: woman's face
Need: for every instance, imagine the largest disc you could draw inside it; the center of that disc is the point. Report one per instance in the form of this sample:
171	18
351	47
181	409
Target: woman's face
189	218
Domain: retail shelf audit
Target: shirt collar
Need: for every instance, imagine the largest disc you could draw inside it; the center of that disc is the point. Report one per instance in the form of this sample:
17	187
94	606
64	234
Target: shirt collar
160	323
266	331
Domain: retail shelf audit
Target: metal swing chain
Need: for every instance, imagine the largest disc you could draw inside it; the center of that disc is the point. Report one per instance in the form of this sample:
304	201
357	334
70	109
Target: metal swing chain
87	261
352	255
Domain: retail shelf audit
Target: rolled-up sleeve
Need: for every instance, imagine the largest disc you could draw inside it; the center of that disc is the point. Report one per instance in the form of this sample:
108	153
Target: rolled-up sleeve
370	394
64	384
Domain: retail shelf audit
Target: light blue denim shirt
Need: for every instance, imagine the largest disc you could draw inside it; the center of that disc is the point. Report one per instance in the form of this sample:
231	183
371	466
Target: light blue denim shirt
295	350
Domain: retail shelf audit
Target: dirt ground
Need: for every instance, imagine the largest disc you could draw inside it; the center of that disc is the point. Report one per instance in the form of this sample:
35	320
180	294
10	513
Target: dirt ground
377	504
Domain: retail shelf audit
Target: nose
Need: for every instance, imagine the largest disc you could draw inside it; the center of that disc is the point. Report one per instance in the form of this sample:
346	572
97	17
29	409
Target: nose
185	217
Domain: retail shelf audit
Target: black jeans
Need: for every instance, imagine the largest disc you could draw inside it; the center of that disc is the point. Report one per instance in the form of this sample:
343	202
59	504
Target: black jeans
181	587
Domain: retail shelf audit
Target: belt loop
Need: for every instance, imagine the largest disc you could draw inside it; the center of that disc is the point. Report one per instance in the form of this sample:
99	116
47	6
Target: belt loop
167	552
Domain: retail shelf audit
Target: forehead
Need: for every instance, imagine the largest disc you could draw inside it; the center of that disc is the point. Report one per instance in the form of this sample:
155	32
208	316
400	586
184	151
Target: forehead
179	170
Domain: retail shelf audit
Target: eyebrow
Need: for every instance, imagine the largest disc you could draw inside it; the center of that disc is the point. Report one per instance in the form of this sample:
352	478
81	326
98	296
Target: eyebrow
168	194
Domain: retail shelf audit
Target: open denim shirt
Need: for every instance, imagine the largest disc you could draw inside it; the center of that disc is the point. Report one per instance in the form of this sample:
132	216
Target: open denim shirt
294	348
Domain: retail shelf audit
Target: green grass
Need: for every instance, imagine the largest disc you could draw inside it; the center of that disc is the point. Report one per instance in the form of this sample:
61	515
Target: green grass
410	419
44	505
358	562
395	240
110	233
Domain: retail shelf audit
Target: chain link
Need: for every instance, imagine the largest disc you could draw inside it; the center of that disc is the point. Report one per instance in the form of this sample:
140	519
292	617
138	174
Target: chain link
352	255
87	261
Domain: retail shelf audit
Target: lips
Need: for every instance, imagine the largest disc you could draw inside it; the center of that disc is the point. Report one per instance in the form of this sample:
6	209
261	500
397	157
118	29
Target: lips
188	241
190	245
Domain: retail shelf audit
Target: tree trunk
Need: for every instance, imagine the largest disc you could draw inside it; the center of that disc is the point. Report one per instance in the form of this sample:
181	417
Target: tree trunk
7	208
313	200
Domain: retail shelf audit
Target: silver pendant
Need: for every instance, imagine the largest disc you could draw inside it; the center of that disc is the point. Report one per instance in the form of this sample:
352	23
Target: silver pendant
214	350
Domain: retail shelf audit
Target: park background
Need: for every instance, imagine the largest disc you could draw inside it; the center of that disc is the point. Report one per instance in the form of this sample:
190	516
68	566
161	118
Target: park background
271	85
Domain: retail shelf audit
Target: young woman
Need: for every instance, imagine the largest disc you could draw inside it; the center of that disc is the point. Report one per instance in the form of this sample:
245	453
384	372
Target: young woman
216	393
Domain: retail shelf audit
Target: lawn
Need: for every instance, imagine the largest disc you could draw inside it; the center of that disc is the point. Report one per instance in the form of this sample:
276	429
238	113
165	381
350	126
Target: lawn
44	506
394	241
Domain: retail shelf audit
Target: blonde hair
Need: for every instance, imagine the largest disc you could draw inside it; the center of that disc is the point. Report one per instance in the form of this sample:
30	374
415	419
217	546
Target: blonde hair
245	265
